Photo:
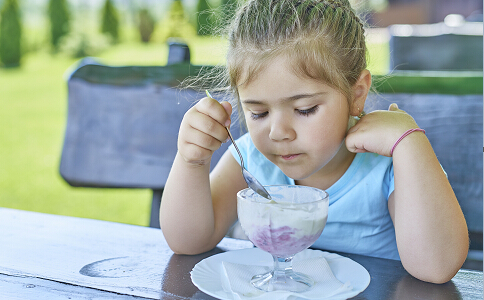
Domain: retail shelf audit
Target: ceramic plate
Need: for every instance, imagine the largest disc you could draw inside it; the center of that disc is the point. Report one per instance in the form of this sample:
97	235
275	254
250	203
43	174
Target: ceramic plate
207	275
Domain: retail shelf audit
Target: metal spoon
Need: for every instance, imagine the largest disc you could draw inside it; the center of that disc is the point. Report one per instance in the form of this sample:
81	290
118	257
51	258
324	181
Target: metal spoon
252	182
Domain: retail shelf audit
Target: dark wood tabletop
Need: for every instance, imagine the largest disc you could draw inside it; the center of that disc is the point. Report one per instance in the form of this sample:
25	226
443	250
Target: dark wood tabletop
46	256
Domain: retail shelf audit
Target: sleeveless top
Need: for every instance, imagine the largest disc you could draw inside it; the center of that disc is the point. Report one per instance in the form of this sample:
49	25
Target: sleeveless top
358	218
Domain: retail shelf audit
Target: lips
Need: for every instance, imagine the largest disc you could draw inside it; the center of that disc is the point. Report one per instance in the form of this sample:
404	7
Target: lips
289	156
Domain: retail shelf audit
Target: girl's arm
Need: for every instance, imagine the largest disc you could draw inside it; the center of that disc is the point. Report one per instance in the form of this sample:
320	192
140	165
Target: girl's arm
430	228
197	209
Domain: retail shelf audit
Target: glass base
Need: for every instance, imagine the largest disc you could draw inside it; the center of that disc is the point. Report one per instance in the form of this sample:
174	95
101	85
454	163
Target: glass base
288	281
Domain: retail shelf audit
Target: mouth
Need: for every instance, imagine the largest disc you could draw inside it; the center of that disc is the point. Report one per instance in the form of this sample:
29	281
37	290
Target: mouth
290	156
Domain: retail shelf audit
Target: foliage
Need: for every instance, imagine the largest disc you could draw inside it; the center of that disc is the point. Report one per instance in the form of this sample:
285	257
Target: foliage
79	44
228	10
10	34
59	21
176	24
146	25
110	21
205	19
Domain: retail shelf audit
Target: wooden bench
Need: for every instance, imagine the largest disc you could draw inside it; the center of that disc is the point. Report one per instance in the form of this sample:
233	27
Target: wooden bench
436	47
449	107
123	122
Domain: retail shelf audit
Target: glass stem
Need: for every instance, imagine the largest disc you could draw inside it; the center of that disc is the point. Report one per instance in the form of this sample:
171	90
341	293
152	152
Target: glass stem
282	268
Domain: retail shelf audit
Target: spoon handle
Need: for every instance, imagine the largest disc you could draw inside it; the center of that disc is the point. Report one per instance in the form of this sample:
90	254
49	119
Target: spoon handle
230	136
236	148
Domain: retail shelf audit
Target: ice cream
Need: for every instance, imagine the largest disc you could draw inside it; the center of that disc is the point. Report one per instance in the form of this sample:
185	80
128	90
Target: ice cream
280	227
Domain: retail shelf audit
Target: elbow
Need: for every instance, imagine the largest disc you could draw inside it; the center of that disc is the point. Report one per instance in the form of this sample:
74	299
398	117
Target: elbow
183	249
190	248
437	274
439	277
437	269
187	245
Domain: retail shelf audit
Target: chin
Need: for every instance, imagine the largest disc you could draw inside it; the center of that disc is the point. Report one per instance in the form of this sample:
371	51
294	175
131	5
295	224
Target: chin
296	175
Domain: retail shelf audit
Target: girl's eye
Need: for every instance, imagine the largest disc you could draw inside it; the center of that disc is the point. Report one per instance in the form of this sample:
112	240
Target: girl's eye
309	111
255	116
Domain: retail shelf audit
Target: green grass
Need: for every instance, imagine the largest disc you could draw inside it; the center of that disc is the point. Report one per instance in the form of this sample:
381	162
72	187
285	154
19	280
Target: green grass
32	122
33	101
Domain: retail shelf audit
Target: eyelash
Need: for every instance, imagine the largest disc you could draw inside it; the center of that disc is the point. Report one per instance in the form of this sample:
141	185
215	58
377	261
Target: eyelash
309	111
258	116
304	112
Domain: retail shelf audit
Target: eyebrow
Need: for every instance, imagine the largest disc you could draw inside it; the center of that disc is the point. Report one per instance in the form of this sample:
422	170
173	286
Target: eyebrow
287	99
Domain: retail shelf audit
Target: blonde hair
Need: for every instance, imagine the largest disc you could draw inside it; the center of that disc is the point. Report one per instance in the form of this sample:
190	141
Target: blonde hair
324	39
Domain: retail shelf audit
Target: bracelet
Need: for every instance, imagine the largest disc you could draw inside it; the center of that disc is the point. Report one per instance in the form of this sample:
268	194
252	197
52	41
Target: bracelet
403	136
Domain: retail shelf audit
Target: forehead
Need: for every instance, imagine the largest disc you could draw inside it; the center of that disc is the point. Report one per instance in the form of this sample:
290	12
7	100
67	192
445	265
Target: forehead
278	81
251	68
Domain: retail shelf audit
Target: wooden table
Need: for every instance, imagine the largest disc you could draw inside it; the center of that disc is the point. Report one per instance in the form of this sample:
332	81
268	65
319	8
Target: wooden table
56	257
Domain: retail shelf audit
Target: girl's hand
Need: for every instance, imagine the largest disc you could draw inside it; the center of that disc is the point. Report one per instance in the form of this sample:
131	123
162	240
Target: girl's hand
378	131
202	130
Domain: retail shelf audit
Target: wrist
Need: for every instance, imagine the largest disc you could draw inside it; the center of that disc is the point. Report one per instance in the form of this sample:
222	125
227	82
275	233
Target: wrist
191	164
414	132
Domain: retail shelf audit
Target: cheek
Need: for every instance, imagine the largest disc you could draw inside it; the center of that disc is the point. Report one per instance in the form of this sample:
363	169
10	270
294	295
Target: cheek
256	132
333	125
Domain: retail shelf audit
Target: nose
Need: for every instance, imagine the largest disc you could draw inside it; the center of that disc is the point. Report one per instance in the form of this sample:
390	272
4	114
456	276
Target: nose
282	129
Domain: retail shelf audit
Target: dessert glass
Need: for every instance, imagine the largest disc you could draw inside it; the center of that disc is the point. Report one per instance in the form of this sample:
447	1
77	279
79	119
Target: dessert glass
284	226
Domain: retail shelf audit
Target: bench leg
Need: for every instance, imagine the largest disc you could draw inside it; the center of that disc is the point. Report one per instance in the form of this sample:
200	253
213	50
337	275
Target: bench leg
155	208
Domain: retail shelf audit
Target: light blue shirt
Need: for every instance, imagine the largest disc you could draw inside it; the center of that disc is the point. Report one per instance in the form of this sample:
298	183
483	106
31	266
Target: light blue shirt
358	218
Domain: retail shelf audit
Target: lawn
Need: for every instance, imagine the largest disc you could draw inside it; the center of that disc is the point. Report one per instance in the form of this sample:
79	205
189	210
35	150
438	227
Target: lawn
32	121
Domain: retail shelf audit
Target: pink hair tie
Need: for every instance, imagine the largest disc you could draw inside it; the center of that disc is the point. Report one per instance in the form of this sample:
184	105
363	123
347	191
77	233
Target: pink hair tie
403	136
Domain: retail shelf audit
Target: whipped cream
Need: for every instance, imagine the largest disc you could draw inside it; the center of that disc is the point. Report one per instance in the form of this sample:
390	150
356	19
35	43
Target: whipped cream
282	229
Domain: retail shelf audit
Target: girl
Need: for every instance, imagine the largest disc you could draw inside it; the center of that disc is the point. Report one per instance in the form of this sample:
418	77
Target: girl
297	69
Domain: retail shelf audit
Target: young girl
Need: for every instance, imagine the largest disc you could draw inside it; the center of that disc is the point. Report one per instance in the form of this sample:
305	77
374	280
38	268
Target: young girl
297	69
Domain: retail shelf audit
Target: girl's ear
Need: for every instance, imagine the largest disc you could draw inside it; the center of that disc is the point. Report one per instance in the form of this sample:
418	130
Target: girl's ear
360	92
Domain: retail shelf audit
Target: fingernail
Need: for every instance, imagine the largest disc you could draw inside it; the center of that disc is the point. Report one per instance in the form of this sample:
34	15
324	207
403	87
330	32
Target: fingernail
227	140
227	123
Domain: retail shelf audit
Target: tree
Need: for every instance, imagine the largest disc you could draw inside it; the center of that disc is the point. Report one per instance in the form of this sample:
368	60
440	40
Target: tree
204	22
10	34
110	21
146	25
176	24
59	21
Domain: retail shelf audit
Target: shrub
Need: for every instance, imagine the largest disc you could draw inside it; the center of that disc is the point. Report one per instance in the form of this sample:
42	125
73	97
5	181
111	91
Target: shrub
10	34
146	25
110	21
59	21
79	44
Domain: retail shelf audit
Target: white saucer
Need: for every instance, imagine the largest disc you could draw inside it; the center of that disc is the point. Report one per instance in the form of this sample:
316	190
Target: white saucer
207	275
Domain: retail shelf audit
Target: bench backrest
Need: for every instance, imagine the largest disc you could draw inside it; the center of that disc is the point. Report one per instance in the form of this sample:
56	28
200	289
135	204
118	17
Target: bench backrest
453	124
449	106
436	47
122	125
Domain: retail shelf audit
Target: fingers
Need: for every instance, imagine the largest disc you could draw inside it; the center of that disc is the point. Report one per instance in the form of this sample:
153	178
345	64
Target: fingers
210	120
353	143
378	130
220	112
203	130
228	109
393	107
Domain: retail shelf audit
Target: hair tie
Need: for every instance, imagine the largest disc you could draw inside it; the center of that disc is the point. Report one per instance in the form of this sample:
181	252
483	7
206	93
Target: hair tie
403	136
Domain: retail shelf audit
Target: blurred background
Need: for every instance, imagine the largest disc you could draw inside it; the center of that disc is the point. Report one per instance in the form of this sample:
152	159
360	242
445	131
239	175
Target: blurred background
41	41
